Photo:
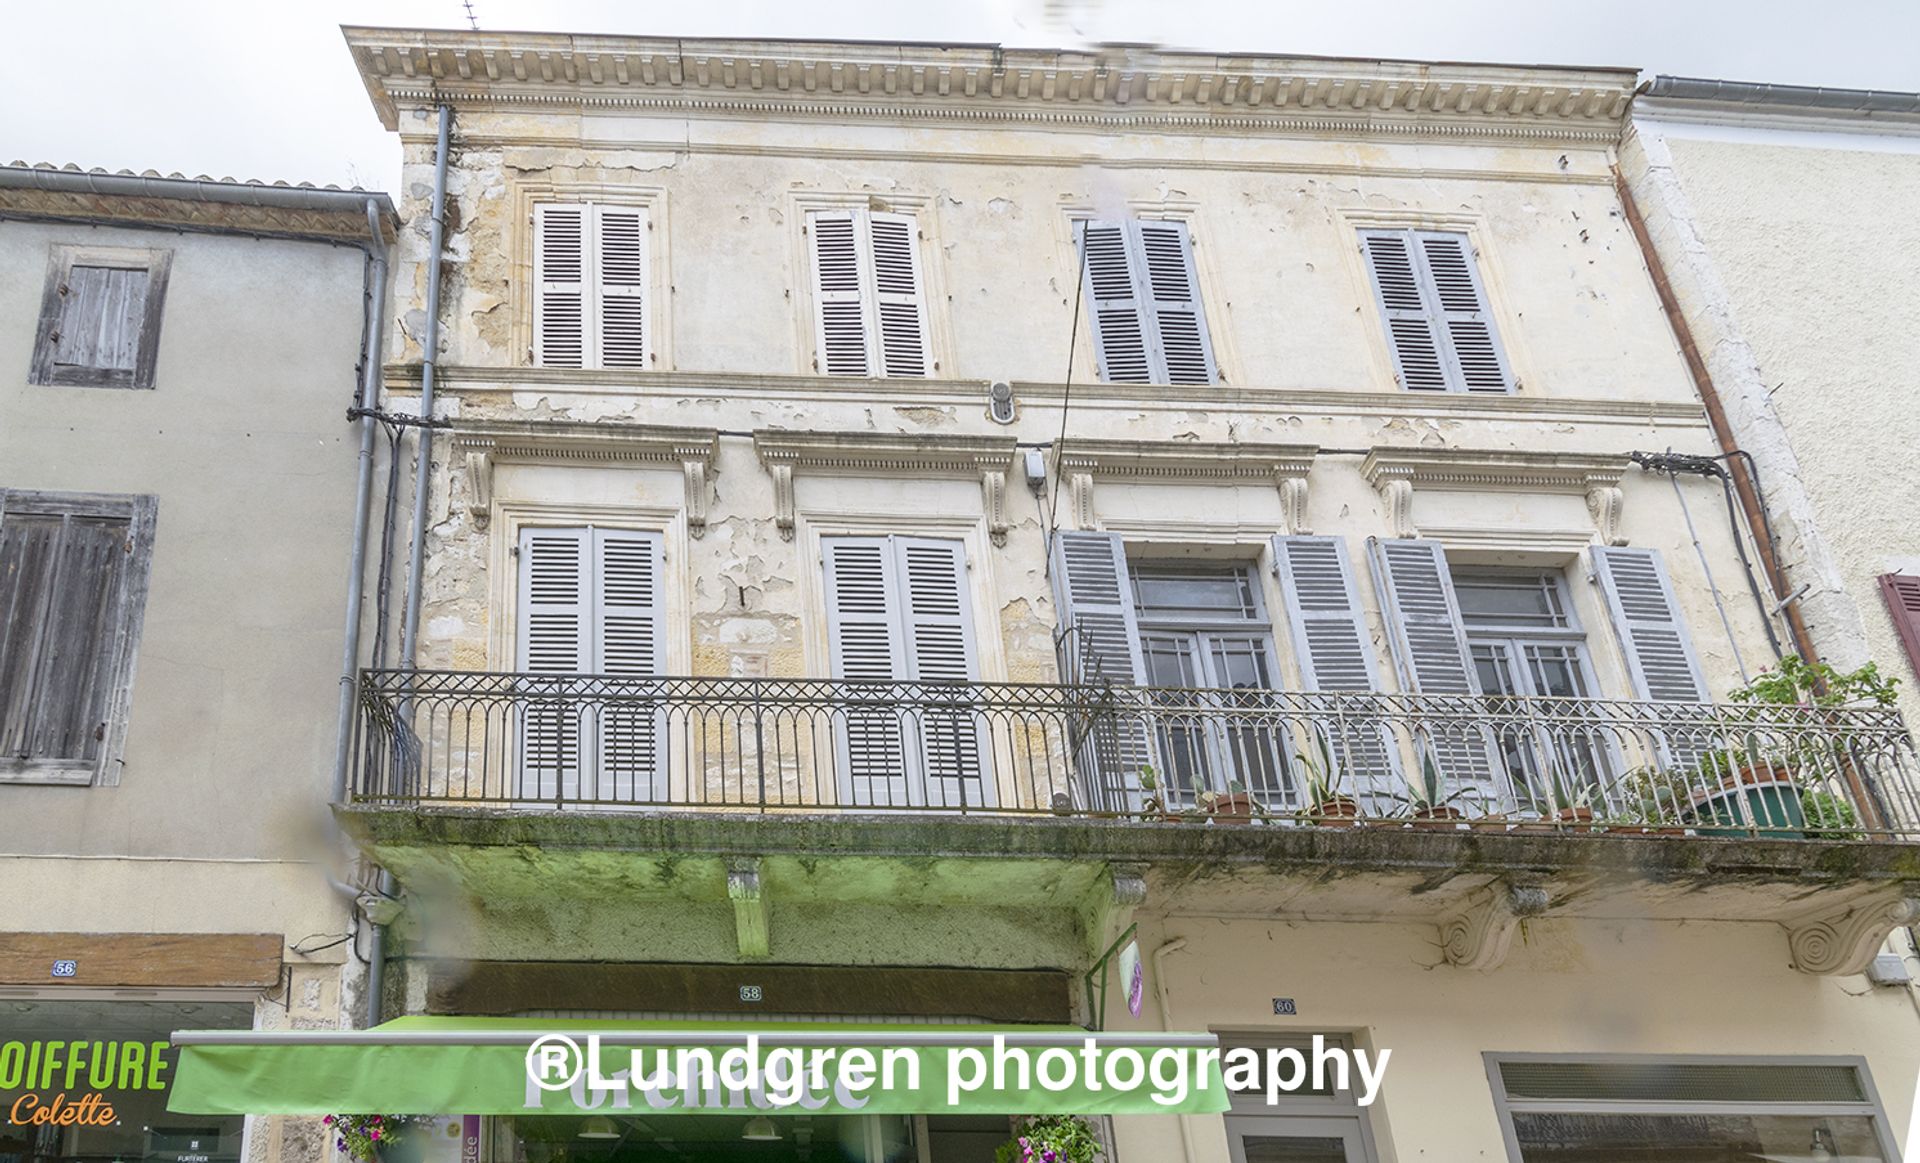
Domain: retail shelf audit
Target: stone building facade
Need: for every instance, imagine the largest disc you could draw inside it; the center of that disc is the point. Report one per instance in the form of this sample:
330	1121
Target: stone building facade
901	507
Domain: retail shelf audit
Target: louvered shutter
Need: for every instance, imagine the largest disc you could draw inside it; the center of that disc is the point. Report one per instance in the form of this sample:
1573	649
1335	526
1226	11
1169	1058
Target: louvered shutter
1400	291
1646	615
1430	647
840	331
1460	307
867	647
60	580
938	620
1330	641
628	642
555	628
1180	324
1120	337
1902	594
1099	645
560	308
899	301
621	244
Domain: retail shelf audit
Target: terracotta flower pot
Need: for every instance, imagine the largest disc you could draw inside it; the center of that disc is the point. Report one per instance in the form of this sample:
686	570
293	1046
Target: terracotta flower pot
1232	808
1438	816
1580	817
1336	812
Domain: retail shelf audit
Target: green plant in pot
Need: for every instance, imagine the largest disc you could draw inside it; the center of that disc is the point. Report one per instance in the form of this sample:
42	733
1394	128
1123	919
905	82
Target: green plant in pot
1653	801
1051	1139
1153	805
1326	800
1428	802
1236	805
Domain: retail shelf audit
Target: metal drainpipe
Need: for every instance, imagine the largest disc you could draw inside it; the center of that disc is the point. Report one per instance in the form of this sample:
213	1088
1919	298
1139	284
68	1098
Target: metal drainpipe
410	622
362	505
1164	997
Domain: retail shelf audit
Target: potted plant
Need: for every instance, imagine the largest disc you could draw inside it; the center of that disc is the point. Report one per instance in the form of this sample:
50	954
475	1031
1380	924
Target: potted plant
1051	1139
372	1138
1753	784
1429	804
1652	802
1153	805
1236	805
1828	817
1327	802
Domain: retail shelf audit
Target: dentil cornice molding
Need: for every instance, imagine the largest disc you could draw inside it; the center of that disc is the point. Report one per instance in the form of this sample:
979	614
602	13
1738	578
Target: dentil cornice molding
1284	466
479	445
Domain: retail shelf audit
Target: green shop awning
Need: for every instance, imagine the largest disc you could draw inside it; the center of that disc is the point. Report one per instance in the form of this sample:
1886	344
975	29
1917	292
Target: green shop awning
480	1066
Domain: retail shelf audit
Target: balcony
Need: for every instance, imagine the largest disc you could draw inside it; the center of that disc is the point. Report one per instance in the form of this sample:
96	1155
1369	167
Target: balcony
506	742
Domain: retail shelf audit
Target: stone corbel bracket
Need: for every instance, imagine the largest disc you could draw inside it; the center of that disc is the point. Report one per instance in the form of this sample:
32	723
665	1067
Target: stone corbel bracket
482	446
1479	936
987	459
1836	942
1396	472
752	925
1283	466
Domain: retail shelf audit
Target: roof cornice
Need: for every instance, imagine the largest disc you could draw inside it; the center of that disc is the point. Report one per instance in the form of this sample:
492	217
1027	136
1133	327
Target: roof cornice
1107	88
302	212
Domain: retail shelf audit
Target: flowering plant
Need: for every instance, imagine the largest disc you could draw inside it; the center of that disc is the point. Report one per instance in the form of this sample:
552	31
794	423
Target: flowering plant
1051	1139
362	1136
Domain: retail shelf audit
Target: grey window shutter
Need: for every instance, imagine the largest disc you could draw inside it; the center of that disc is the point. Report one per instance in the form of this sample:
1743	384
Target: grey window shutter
60	583
627	642
560	311
1179	320
1099	630
621	255
867	646
1477	361
1430	647
1399	290
899	301
937	617
1121	344
1099	644
101	319
840	323
1653	635
554	638
1330	641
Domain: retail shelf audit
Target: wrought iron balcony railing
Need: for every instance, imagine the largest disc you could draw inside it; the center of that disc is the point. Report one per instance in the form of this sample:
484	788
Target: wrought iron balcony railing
1279	757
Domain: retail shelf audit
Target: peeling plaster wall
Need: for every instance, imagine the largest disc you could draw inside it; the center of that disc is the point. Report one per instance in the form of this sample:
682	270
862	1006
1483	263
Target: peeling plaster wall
1288	303
1798	277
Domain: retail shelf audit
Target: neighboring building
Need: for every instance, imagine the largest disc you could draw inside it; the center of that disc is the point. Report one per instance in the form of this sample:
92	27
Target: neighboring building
176	491
761	684
1784	218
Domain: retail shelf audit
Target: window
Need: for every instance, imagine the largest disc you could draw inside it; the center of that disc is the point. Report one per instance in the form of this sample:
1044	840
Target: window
590	605
1435	310
1143	302
1527	643
100	318
1204	628
73	587
591	269
870	310
899	612
1306	1125
1556	1109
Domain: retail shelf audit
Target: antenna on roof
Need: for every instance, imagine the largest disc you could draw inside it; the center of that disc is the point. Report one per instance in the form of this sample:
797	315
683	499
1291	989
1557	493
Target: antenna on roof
473	21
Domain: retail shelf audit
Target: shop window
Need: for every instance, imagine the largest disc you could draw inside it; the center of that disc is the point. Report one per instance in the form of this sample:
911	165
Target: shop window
1693	1110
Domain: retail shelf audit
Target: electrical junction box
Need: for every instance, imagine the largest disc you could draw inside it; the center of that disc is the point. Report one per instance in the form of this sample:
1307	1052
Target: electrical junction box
1889	969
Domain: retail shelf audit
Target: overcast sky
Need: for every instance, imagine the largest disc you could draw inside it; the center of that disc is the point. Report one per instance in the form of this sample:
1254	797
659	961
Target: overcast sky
265	88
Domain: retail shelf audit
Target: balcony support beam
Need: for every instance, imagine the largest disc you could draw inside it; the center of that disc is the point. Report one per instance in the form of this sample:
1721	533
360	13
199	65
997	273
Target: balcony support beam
1839	943
750	920
1479	936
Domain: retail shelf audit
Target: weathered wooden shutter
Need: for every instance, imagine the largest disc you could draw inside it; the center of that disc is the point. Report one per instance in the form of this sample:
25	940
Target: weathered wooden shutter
1099	644
621	248
899	302
561	319
867	645
1460	307
1902	594
101	317
554	639
60	583
1430	647
1165	255
1329	632
628	642
1646	616
1120	335
840	324
1404	309
937	617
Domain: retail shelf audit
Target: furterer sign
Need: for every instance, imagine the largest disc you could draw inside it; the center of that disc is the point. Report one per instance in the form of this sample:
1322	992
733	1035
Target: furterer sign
65	1067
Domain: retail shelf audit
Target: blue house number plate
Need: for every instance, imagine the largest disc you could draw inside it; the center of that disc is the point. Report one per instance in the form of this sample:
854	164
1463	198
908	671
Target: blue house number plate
1284	1005
66	968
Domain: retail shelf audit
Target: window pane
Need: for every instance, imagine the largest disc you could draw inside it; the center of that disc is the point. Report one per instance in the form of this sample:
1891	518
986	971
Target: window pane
1173	591
1269	1149
1570	1138
1509	599
1556	671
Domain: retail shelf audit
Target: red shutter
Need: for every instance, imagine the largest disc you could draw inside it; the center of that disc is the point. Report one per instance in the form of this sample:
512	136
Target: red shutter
1902	591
